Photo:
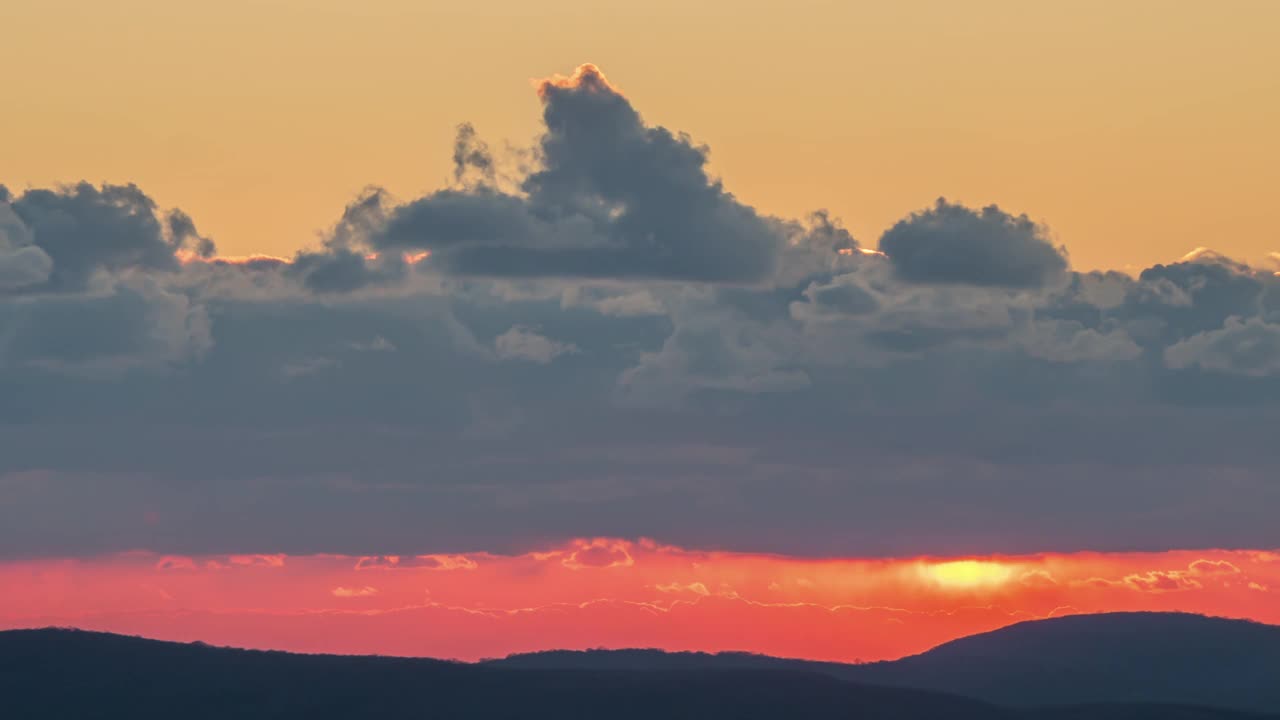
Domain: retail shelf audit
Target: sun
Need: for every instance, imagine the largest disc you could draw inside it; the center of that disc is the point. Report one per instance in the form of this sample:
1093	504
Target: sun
967	573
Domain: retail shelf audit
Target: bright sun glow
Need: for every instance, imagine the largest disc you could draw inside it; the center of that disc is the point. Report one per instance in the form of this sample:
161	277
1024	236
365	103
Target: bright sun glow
968	573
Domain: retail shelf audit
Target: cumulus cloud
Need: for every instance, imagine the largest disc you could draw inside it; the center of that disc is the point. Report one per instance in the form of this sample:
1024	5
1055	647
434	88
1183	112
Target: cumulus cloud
716	347
522	343
84	228
612	197
22	263
1243	347
989	247
534	352
1067	341
138	323
22	267
341	270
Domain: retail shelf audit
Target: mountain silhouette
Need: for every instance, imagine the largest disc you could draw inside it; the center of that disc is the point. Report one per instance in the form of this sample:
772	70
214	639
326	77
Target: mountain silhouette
74	674
1175	658
57	673
1114	657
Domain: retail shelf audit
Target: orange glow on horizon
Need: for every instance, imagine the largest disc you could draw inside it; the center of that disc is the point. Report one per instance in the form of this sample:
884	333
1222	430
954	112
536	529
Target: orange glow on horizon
968	573
187	257
610	592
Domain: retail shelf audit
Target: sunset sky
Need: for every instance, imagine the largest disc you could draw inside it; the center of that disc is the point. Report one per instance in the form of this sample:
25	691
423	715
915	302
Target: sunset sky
461	330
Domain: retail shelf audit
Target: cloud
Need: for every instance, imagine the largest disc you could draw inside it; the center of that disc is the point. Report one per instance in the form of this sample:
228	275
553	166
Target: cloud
378	562
841	296
22	267
1071	342
471	154
129	324
613	197
1242	347
599	553
1213	567
1175	301
175	562
604	341
696	588
340	270
423	562
1039	578
258	560
953	244
84	228
1159	581
22	263
354	592
1199	574
521	343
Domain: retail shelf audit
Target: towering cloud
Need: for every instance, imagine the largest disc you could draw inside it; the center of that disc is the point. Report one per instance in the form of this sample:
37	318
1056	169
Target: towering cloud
613	198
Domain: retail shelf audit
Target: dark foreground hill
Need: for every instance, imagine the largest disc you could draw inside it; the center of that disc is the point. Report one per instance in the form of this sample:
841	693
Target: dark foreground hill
73	674
1110	658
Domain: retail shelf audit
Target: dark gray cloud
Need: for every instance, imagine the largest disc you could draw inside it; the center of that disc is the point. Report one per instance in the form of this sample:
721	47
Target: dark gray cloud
1244	347
989	247
84	228
471	155
340	270
22	263
612	197
23	267
133	324
842	296
1173	302
611	344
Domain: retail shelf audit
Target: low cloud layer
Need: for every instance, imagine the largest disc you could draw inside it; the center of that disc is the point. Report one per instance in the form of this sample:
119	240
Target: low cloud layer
595	337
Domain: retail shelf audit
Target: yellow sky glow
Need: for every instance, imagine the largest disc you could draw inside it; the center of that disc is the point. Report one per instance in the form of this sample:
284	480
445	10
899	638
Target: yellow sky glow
968	573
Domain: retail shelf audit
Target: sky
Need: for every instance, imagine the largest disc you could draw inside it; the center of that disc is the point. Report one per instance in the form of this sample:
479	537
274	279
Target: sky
607	592
1136	130
418	330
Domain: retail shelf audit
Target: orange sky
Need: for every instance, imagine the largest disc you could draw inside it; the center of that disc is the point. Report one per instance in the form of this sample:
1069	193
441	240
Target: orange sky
1137	131
617	593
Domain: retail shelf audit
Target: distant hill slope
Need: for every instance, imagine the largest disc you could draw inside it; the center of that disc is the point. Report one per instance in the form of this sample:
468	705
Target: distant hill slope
82	675
1110	658
71	674
1117	657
